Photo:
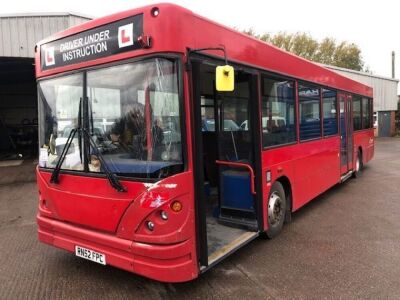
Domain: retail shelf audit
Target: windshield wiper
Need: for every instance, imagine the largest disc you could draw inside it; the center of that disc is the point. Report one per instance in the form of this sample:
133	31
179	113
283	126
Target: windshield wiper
56	171
114	181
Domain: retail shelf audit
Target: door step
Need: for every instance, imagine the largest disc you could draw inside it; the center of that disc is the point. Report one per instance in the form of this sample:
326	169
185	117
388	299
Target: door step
226	250
240	213
249	224
346	176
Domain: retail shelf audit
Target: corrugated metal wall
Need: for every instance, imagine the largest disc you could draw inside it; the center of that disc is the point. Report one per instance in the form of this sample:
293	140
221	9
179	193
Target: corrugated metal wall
19	34
385	89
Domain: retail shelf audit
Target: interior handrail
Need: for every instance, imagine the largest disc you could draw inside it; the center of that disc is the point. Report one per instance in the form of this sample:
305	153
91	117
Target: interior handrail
243	166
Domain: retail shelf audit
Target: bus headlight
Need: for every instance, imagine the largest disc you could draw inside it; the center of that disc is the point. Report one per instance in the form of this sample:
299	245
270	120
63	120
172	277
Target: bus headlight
164	215
150	225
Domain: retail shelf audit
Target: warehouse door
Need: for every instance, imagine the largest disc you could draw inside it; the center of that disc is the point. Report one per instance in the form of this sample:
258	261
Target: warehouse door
384	123
18	108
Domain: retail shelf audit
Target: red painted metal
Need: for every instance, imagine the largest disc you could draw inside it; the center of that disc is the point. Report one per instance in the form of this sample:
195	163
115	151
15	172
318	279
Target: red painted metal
87	211
242	166
176	28
169	263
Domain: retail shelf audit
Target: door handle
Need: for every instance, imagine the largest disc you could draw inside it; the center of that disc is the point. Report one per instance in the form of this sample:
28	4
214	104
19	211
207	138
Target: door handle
243	166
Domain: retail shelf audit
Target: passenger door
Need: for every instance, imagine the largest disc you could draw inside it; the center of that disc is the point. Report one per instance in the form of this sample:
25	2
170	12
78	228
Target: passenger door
236	164
226	148
346	133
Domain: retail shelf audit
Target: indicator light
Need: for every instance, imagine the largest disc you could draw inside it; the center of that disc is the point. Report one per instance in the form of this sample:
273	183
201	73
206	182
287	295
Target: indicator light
269	176
155	11
176	206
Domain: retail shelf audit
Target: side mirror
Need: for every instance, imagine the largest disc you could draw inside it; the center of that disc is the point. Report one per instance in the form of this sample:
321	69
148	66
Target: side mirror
224	78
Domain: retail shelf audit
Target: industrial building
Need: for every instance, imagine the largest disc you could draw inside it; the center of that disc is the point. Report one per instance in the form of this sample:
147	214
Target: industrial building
385	98
19	34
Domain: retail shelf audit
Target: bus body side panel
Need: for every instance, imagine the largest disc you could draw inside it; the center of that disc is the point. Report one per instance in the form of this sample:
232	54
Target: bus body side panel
312	167
365	140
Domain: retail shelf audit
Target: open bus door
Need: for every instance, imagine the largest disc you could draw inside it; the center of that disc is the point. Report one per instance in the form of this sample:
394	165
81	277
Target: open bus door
226	159
346	135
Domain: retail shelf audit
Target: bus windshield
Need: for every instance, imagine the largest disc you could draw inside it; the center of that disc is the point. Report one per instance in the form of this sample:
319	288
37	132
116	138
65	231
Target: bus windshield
132	112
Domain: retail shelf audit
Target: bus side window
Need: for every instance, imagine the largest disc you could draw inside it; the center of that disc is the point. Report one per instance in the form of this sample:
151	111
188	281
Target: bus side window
278	112
309	112
329	105
366	113
356	112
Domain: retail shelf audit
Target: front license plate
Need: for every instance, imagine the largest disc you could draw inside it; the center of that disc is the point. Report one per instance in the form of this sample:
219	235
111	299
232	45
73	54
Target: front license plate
90	255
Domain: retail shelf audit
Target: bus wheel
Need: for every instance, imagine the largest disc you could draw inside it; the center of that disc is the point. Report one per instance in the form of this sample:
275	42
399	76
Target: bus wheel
358	167
276	210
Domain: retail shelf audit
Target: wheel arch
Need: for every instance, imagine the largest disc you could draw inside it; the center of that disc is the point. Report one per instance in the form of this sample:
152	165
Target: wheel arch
287	187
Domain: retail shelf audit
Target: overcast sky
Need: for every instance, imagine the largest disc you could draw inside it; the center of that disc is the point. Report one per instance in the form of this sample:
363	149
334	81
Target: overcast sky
373	25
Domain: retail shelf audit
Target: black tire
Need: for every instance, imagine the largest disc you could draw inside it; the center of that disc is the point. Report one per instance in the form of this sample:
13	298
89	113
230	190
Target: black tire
276	210
359	165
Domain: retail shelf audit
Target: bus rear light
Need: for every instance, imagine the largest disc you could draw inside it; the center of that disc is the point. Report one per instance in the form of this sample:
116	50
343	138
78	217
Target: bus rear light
176	206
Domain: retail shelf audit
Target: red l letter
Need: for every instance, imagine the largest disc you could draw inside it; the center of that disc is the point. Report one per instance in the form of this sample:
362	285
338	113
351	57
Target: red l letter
49	58
124	39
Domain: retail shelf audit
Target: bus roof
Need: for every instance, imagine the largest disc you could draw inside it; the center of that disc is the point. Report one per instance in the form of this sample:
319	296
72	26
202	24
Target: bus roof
175	29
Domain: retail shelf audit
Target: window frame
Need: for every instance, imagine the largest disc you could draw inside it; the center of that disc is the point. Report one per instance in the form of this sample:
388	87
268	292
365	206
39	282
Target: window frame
322	112
301	82
295	102
361	114
182	112
369	103
40	117
371	112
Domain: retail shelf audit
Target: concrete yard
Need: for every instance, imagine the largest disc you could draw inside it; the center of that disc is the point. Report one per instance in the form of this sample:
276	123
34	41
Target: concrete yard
344	244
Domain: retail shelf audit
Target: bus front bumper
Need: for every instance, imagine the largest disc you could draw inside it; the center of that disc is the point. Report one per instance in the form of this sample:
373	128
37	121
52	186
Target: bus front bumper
168	263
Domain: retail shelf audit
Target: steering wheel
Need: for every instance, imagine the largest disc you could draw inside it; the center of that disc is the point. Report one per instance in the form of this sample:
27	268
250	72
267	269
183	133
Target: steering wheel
52	144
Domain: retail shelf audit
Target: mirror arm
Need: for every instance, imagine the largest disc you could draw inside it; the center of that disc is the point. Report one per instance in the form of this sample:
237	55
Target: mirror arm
220	48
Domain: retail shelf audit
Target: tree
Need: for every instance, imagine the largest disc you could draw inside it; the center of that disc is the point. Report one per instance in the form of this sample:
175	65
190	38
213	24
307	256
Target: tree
328	51
348	56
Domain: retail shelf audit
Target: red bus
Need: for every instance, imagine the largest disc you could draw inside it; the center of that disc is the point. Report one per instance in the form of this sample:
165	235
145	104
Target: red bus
168	141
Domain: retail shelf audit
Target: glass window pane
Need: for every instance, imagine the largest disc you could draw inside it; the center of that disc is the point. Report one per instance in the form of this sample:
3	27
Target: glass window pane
356	112
135	118
235	113
330	112
234	121
207	114
59	111
366	113
309	111
278	112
